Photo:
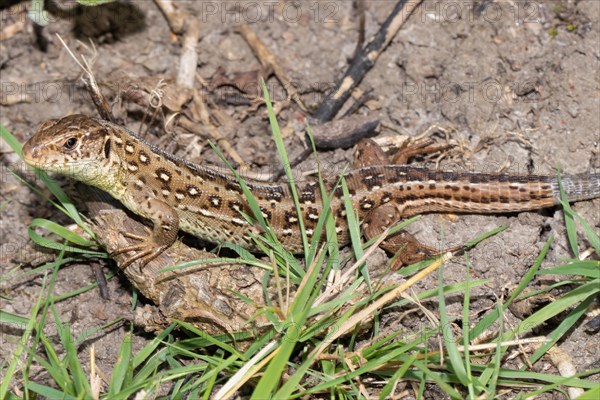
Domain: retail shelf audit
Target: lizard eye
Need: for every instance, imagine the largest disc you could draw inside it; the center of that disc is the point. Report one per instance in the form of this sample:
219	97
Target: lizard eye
70	143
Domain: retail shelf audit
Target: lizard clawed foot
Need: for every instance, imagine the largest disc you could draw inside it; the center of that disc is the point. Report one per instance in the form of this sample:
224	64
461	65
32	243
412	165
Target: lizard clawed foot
164	234
407	248
428	147
411	251
369	153
147	250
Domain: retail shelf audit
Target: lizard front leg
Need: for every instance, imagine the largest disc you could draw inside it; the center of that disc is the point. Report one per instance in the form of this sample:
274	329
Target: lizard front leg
163	235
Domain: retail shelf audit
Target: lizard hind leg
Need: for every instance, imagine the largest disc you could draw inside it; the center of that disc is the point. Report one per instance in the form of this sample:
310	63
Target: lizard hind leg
369	153
426	148
408	248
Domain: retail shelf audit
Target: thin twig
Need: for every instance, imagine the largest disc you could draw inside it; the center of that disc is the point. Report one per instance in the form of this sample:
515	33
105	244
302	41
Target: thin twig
175	18
200	111
100	279
89	80
189	57
269	63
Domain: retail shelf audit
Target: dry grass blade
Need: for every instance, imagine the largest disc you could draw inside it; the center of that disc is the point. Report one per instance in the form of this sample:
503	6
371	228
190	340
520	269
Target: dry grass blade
382	301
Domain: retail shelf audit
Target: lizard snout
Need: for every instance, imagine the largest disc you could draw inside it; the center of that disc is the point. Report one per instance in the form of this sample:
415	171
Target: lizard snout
33	152
30	152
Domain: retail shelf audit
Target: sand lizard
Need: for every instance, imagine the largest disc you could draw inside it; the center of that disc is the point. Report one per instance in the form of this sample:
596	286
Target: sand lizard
176	194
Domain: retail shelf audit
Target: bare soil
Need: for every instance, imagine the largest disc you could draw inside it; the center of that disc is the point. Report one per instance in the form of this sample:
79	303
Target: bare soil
519	82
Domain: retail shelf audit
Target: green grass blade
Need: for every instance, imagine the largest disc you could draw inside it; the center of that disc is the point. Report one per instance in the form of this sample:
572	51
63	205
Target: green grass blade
569	218
592	394
326	219
77	373
300	307
16	357
371	365
587	268
590	232
354	228
465	330
121	372
563	328
49	393
51	244
487	321
440	380
146	351
573	298
55	367
286	164
507	375
61	231
486	235
495	367
12	319
448	336
386	391
210	339
12	141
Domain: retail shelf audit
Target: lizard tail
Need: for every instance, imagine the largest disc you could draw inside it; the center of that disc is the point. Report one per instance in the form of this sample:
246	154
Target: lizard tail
577	187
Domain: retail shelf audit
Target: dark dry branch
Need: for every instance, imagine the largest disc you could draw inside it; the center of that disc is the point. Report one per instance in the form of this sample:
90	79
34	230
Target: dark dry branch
361	64
97	97
360	13
364	61
100	279
345	132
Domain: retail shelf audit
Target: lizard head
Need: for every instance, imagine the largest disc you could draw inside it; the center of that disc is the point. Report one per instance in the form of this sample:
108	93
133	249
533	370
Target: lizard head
76	146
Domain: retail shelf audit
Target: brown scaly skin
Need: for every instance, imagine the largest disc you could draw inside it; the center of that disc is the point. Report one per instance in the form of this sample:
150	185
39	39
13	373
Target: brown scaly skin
176	194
